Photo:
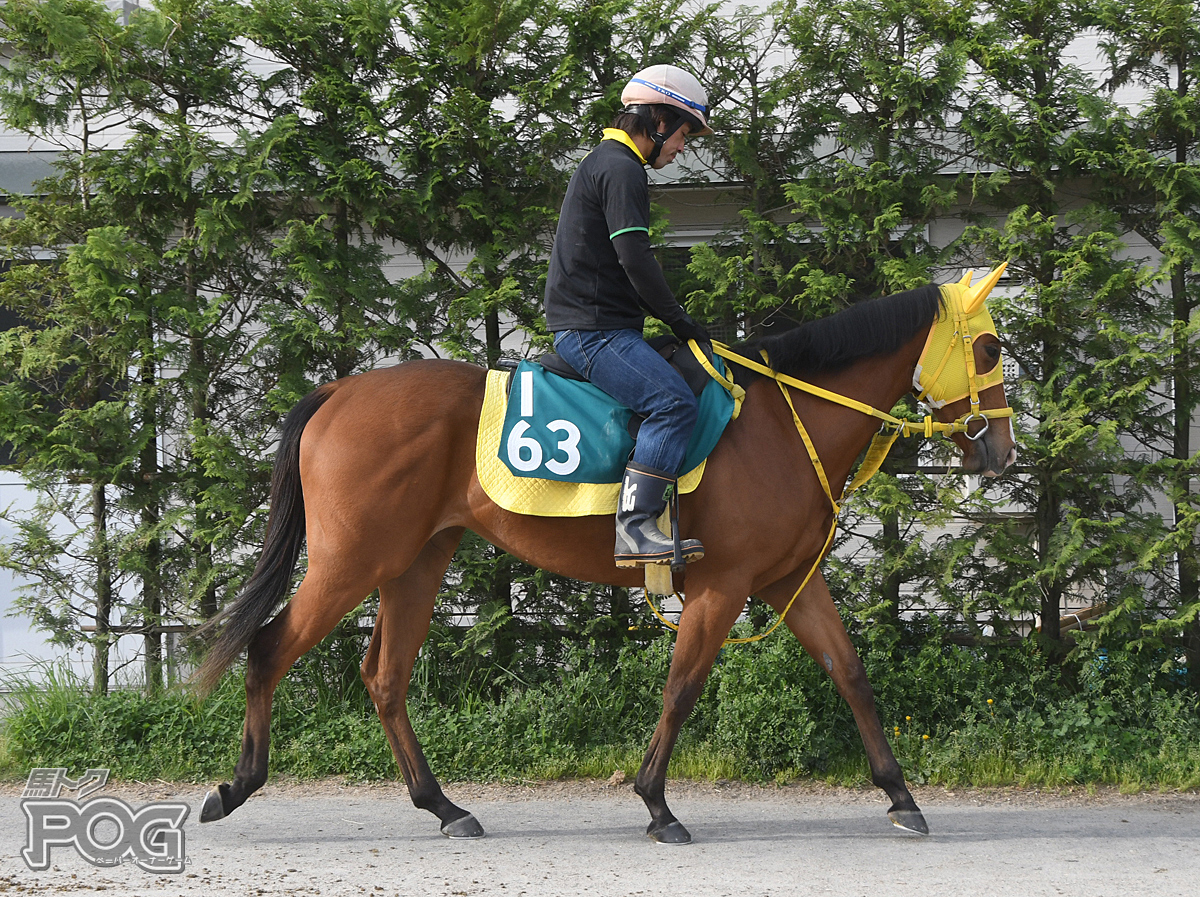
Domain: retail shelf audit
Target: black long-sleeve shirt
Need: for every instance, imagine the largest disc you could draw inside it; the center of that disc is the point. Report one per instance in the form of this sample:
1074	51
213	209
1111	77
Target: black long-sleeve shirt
603	274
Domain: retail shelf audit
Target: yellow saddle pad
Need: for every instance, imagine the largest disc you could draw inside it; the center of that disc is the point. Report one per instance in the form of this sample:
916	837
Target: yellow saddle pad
541	498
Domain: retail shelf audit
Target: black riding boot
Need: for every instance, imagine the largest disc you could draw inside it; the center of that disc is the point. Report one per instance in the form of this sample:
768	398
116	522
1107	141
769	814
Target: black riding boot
644	495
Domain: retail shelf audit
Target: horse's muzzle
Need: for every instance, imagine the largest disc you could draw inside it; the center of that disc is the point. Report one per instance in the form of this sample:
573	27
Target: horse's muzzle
998	451
994	470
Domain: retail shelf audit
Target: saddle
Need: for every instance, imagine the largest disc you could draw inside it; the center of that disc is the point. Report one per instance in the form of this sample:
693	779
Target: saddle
668	346
552	444
536	496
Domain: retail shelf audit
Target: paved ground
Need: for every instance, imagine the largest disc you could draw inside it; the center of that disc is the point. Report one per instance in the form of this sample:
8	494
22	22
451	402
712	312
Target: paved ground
586	838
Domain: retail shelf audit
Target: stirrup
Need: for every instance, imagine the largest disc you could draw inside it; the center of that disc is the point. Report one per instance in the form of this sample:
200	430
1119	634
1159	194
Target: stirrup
689	550
660	580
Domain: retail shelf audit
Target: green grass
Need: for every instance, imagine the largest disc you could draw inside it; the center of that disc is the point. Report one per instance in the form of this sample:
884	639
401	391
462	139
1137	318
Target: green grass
767	714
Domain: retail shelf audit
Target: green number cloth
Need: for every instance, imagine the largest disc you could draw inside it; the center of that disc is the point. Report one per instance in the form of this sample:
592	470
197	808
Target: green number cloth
572	431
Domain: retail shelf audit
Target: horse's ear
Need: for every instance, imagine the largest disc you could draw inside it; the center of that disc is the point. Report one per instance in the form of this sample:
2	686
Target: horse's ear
973	301
965	283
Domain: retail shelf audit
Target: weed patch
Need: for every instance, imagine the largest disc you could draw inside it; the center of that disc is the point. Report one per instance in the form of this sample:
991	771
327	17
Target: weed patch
954	716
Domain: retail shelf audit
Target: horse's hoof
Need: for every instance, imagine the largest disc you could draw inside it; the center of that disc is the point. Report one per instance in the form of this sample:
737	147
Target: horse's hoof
671	833
213	809
909	820
463	828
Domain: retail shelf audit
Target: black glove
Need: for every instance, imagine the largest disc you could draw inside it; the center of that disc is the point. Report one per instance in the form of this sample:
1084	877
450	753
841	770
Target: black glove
687	329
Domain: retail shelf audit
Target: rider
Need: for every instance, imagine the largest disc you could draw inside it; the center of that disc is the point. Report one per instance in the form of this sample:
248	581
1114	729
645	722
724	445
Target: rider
604	278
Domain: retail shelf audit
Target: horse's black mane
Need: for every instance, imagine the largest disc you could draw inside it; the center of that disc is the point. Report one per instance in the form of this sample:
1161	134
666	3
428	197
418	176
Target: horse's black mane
871	327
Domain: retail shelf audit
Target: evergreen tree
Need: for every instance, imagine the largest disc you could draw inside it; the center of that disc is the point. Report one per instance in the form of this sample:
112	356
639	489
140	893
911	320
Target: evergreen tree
1078	326
741	282
144	320
509	96
1151	156
874	85
61	403
482	138
218	238
194	185
338	313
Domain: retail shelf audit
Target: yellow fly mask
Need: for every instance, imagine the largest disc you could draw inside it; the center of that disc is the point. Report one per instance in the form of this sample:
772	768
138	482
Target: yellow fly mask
937	380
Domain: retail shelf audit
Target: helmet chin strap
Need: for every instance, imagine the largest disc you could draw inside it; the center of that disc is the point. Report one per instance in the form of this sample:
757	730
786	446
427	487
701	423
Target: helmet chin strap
659	139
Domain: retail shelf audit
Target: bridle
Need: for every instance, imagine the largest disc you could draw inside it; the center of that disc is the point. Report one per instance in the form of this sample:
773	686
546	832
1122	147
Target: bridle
966	318
963	318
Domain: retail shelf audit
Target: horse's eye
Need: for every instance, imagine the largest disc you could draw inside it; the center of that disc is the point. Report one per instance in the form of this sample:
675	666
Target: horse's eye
991	352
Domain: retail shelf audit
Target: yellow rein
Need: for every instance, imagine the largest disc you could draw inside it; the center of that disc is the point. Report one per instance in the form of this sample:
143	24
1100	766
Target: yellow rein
892	428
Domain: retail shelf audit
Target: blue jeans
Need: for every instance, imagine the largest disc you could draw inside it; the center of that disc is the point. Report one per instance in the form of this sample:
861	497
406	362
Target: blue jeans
622	364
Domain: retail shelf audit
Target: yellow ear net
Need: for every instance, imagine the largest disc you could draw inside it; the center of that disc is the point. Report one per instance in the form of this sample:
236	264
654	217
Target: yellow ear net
975	296
935	380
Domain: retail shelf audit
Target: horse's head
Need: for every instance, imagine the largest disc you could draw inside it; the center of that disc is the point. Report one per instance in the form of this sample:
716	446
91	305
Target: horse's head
961	377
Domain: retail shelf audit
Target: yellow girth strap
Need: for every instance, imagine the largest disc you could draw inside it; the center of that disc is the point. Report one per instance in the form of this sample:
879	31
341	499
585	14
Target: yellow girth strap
739	394
820	471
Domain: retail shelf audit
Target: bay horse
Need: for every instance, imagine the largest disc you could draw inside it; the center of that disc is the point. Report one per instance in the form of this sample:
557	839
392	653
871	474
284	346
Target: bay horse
377	472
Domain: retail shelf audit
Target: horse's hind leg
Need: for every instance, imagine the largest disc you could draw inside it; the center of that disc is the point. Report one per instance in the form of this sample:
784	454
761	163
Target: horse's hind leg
816	623
405	609
320	602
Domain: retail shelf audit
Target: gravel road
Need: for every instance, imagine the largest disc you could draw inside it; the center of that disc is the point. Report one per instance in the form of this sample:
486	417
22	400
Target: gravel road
586	838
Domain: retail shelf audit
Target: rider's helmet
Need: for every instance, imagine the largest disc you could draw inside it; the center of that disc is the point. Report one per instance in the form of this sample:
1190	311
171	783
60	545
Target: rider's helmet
672	87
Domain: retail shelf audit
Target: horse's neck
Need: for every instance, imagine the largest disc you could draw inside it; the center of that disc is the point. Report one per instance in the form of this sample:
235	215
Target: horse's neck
879	382
883	380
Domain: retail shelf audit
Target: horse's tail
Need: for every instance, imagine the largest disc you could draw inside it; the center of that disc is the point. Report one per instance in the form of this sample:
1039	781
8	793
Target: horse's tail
268	585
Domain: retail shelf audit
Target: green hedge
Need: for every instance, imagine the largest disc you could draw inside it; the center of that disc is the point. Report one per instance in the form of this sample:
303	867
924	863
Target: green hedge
955	715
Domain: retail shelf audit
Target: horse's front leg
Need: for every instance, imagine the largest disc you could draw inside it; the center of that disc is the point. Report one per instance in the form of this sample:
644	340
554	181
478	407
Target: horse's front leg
816	623
708	615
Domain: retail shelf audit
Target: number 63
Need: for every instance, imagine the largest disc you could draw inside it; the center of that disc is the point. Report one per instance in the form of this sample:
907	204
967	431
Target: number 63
518	443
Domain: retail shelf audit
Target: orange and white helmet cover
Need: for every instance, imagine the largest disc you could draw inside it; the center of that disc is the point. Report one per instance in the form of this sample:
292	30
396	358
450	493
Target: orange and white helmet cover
671	86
